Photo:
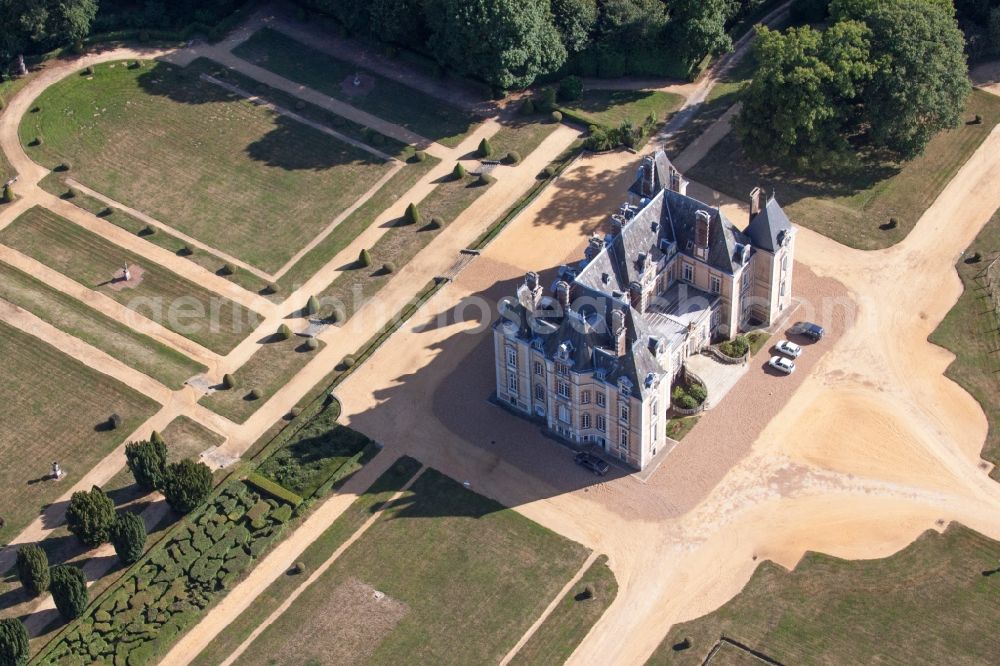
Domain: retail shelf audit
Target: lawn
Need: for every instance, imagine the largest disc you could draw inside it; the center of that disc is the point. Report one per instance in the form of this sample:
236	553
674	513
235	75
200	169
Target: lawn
425	115
679	426
398	246
970	331
851	207
68	426
164	364
381	491
568	624
612	107
204	161
181	306
463	579
932	603
274	363
521	135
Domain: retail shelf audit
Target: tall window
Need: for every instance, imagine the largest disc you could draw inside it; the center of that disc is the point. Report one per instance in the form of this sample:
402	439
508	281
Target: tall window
562	369
716	284
623	439
623	412
600	399
585	397
539	368
563	388
689	272
564	414
512	383
602	423
746	279
585	421
511	357
539	392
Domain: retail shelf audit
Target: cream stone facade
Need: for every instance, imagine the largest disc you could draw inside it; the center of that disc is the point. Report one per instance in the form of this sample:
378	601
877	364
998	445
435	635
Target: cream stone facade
595	358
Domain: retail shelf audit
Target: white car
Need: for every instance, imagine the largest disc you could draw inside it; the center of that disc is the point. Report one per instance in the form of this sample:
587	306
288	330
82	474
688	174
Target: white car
789	349
783	364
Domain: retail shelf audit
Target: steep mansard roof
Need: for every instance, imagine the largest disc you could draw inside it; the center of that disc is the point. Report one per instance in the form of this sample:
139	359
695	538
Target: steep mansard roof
767	228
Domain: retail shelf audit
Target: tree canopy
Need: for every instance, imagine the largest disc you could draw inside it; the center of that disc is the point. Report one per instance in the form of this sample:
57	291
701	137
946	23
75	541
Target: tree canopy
187	485
89	516
33	569
885	76
43	24
148	462
128	536
13	643
69	591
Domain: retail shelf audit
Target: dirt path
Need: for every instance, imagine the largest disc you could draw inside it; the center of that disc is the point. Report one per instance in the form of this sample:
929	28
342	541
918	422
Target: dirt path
278	562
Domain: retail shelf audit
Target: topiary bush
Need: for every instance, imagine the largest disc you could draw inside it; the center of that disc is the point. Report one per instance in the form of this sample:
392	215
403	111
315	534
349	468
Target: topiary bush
458	173
485	149
254	394
412	215
435	223
89	516
228	381
486	179
37	141
114	422
8	194
70	193
557	116
682	399
33	569
570	89
270	288
365	258
226	269
185	251
348	361
284	332
312	306
147	231
549	171
14	650
88	71
388	267
65	166
69	591
128	536
147	460
187	485
107	212
312	344
513	157
419	156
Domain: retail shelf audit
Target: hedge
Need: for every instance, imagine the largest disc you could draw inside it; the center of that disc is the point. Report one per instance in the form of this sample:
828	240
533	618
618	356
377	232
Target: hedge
273	489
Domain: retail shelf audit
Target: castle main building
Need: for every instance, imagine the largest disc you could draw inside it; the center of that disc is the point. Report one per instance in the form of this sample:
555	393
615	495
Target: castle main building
595	359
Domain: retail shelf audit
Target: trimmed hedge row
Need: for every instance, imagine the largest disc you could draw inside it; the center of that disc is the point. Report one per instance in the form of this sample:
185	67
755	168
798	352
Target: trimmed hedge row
165	594
266	485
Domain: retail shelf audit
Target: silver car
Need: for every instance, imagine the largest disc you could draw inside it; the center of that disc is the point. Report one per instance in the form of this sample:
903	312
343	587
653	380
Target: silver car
782	364
788	348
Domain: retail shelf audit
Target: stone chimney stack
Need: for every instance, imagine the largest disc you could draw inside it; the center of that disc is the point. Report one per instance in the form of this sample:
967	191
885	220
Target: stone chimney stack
702	220
756	201
530	293
594	247
562	295
618	331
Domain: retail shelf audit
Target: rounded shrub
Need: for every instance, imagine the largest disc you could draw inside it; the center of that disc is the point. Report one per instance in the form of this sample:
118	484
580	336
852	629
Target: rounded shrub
419	156
458	173
485	149
188	484
974	258
435	223
527	107
37	141
228	381
300	567
389	267
294	412
348	361
570	89
255	394
33	569
89	516
36	109
65	166
412	215
284	332
549	171
185	251
270	288
69	591
115	421
70	193
557	116
128	536
147	230
365	258
14	650
107	211
312	306
226	269
486	179
312	344
513	157
88	71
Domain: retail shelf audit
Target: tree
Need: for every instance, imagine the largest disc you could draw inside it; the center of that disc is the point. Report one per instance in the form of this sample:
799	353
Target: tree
90	515
412	215
69	591
312	305
8	194
920	83
485	149
575	20
365	258
458	173
284	332
33	569
187	485
14	649
399	21
147	459
128	536
506	43
698	28
796	109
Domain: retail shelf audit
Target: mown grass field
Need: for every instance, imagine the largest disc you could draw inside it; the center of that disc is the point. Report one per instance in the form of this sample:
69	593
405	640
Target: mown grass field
971	330
181	306
54	408
612	107
200	159
354	287
397	103
381	491
274	363
568	624
164	364
470	576
932	603
850	207
521	135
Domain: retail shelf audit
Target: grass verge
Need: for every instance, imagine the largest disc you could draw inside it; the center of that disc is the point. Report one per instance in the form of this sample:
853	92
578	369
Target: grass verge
679	426
611	108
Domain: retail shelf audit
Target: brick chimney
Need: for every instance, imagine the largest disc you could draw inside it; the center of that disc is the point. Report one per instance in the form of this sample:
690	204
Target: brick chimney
701	226
756	201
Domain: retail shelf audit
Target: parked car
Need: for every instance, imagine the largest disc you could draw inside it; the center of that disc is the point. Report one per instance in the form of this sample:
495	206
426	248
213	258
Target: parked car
782	364
789	349
812	331
593	463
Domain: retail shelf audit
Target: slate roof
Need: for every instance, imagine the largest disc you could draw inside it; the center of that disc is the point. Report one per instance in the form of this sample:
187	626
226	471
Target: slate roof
767	226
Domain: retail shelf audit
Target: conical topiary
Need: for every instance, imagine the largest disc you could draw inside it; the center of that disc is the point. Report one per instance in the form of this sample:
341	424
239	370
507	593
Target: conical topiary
412	214
365	258
284	332
459	171
485	149
312	305
228	381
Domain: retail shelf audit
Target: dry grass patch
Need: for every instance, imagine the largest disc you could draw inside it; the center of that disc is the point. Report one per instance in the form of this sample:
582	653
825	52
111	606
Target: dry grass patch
181	306
237	176
54	408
